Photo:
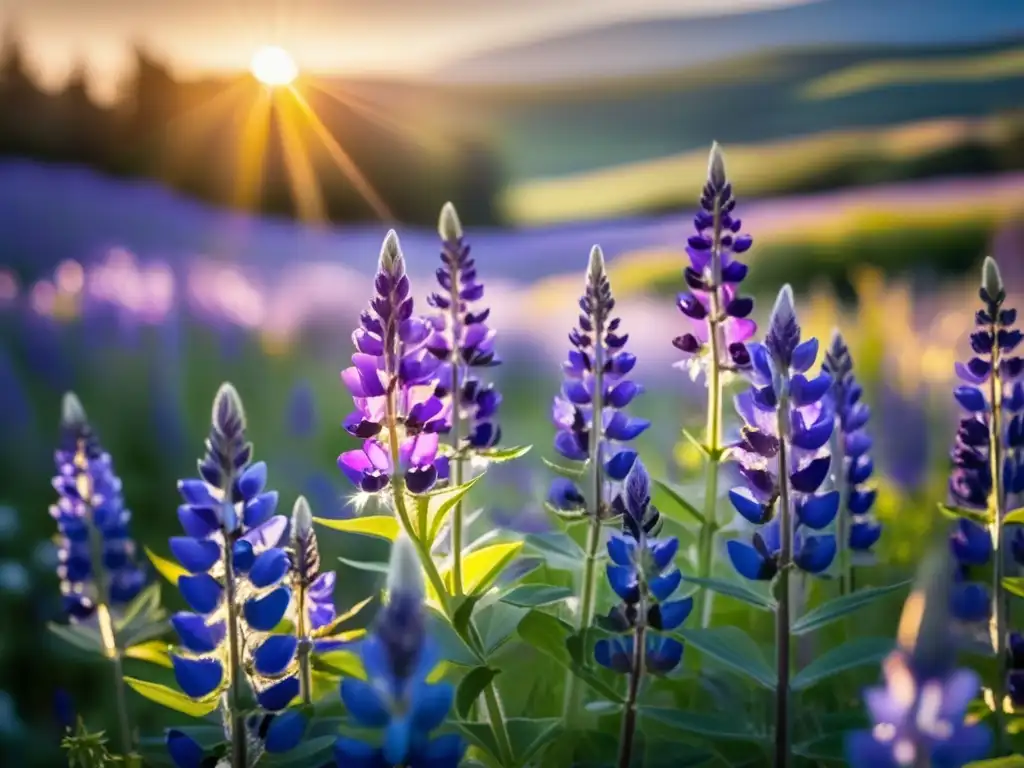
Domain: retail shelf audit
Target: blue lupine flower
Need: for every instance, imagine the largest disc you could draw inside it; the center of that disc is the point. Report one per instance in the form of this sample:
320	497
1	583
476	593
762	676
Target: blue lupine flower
919	720
852	415
971	481
572	411
393	369
90	503
461	339
713	304
778	369
231	550
395	697
643	575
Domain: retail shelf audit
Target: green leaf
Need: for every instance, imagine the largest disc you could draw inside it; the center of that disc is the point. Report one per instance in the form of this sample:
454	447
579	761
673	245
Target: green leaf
82	637
855	653
141	609
836	609
166	568
318	751
709	724
955	513
829	748
733	648
470	688
141	630
529	736
155	652
340	662
573	473
435	506
463	613
372	566
1013	761
172	699
481	567
696	442
501	455
734	590
479	735
669	502
1014	517
381	526
537	595
558	550
1014	585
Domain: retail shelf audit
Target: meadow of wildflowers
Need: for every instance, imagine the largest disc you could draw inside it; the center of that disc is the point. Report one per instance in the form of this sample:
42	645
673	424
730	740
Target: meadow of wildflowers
744	619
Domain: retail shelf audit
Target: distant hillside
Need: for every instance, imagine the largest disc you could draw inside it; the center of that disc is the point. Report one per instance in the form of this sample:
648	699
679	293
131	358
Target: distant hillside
644	47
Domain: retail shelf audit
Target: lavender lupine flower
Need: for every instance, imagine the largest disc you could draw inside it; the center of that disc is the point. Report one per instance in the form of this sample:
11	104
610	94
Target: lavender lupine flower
642	574
713	304
236	586
393	376
794	442
461	339
90	503
398	656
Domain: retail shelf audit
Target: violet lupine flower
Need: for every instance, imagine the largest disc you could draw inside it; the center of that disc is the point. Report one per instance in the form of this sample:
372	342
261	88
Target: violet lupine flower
393	376
852	416
236	575
90	503
971	481
461	339
590	360
398	656
713	301
642	574
778	369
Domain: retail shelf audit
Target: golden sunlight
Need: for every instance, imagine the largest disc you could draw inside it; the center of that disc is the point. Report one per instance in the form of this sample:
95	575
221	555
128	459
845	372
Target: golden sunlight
273	66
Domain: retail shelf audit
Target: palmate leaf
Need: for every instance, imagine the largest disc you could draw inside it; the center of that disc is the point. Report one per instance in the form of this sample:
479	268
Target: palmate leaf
708	724
430	510
530	736
829	748
956	513
670	502
84	638
480	568
342	618
172	699
501	455
169	569
315	751
154	651
733	648
558	550
144	608
370	566
571	472
536	595
480	736
470	688
734	590
836	609
380	526
859	652
340	662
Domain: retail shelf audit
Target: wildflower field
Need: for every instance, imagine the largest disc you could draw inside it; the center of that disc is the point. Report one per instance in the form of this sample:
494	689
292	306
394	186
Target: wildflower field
590	528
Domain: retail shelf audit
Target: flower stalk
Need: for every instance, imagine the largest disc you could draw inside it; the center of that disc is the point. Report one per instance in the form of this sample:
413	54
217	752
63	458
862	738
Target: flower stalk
783	621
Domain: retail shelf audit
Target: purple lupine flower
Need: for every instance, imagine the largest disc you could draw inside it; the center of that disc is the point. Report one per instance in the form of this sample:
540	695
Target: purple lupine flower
598	354
778	369
236	580
393	377
642	574
398	656
992	368
852	416
713	304
461	338
90	505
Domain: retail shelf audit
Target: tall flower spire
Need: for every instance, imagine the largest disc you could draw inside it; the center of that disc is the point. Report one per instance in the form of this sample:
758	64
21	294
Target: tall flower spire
852	466
718	325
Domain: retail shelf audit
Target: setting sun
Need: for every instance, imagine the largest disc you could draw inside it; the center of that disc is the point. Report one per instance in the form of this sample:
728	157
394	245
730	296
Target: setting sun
273	66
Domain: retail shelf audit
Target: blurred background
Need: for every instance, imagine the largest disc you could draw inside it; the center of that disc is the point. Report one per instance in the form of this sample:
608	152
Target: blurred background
193	192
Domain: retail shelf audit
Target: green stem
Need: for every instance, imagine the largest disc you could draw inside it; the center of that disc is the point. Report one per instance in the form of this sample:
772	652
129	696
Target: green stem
997	510
305	648
713	436
239	744
842	520
782	614
457	520
588	593
628	731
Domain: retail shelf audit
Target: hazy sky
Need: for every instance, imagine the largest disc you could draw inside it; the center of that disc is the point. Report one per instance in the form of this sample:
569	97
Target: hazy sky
406	36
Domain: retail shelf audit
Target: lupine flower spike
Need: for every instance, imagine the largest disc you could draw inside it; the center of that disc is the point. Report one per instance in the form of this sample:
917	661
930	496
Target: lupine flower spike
592	425
392	380
99	573
237	590
396	698
719	325
784	459
462	341
642	574
917	716
852	467
987	479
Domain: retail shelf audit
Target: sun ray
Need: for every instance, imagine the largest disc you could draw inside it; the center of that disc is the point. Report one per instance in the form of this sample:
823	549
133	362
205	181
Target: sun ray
342	159
301	177
252	148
